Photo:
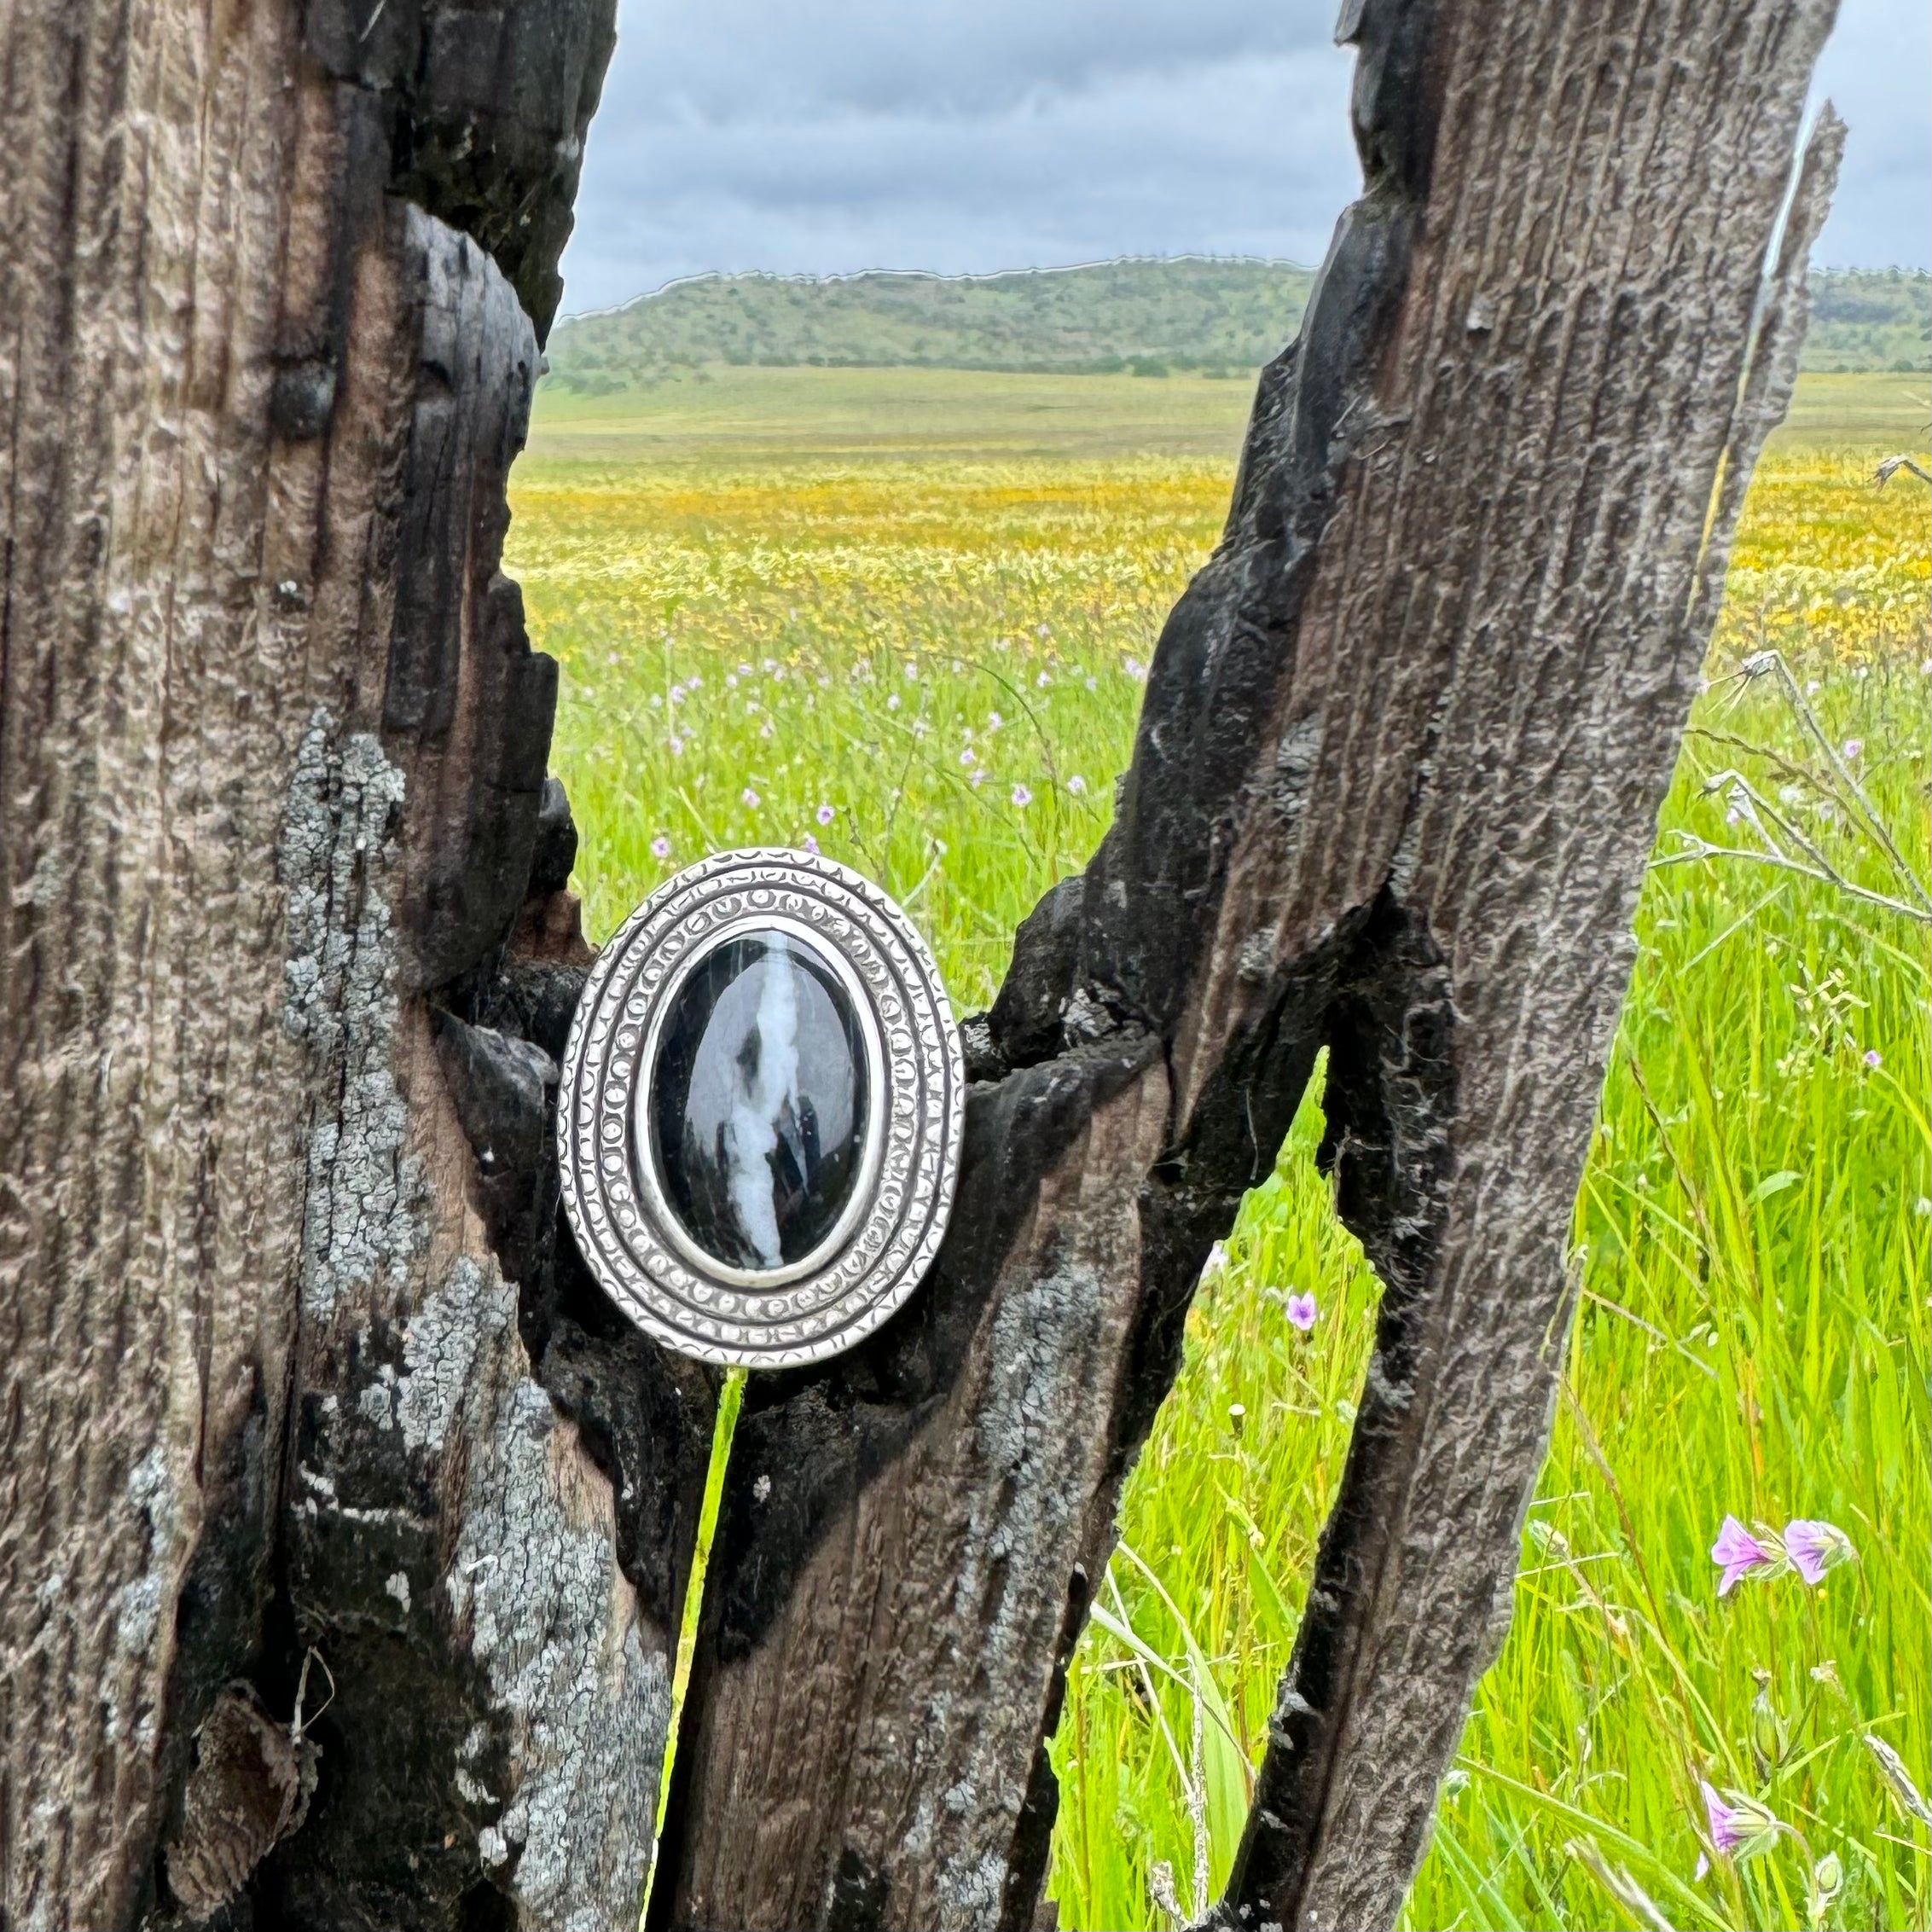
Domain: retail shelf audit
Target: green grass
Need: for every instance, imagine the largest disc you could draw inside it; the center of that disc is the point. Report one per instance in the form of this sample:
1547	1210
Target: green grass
798	589
1753	1340
709	418
1878	413
721	419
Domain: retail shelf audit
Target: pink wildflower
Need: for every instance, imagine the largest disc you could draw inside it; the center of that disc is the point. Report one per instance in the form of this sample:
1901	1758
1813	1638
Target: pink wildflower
810	843
1816	1547
1740	1553
1022	797
1873	1058
1301	1312
660	846
825	815
750	797
1740	1827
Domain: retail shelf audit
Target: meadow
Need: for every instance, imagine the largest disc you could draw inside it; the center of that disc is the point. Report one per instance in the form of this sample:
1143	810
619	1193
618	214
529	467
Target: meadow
905	616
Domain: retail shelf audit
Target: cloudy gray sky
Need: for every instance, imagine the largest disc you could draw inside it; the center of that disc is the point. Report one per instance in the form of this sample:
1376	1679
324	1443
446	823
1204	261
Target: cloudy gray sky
967	135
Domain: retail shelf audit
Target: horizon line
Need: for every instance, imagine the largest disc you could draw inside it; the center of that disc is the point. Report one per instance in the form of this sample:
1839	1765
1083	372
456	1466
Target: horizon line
922	274
806	277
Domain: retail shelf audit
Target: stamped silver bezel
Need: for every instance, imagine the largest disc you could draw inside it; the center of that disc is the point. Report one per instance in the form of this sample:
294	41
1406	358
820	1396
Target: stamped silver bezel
890	1233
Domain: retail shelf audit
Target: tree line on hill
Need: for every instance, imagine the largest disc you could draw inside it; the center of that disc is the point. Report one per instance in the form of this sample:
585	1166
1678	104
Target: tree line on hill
1212	315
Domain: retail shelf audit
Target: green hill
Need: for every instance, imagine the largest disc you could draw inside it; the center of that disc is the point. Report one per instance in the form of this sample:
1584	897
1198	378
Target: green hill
1218	316
1870	319
1190	312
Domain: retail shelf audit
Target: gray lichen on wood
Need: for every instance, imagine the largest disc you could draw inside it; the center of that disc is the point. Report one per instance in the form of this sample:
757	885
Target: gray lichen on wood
139	1604
534	1583
440	1347
366	1199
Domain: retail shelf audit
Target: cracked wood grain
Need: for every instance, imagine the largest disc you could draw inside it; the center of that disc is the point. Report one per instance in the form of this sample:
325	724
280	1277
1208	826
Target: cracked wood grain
283	1334
150	707
1398	769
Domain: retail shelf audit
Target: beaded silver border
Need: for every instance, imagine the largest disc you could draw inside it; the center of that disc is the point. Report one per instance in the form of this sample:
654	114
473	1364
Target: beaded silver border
912	1159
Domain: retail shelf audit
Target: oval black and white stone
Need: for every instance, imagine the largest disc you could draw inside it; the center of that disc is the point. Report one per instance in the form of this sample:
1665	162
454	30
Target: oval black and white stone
757	1101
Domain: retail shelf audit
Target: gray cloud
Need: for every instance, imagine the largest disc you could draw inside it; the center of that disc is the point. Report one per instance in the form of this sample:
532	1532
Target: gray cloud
736	58
967	136
1874	72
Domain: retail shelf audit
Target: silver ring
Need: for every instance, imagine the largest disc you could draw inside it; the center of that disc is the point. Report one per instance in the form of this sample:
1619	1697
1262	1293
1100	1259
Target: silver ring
761	1112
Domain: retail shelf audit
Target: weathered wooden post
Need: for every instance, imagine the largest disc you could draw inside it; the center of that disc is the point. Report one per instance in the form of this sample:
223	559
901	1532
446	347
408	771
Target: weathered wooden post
272	745
296	1365
1398	771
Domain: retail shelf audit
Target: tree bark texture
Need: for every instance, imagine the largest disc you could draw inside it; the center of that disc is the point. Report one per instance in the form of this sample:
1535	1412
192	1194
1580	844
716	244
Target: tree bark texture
285	958
1398	771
